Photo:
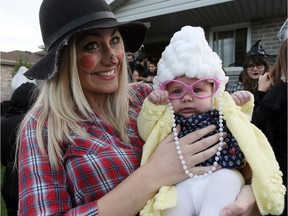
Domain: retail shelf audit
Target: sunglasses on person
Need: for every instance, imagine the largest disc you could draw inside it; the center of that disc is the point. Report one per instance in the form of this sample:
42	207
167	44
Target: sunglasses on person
258	66
202	88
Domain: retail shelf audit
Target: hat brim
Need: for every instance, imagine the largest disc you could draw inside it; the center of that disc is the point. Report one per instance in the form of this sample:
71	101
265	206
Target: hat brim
133	34
45	68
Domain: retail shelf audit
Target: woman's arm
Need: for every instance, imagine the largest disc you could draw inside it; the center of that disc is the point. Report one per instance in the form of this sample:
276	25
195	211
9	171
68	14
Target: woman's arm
163	168
43	189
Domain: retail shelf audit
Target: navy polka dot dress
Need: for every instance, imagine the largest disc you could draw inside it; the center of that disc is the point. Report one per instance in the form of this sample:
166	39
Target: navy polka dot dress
231	156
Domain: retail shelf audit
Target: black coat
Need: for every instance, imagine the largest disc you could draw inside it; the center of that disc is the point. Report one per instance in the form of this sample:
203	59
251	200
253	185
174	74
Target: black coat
12	113
270	116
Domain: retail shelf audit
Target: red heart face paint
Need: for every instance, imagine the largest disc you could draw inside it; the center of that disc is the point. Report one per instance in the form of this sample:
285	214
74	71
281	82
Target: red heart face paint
87	62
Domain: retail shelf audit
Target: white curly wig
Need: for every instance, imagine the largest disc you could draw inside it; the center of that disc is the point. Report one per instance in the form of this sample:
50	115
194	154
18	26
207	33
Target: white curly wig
190	54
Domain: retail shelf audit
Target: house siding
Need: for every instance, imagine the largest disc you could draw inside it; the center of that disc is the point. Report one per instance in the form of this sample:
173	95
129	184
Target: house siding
6	77
8	62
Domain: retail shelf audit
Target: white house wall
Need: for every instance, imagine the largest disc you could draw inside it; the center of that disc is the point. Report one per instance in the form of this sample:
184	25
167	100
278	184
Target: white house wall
141	9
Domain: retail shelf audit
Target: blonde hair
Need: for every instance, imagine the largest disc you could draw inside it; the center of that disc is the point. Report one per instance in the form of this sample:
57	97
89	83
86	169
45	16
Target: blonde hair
62	96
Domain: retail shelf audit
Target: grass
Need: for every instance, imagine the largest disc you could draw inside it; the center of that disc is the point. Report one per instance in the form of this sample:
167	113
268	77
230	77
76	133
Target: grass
3	206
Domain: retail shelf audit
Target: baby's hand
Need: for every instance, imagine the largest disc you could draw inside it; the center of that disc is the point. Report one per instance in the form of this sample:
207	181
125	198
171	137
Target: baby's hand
241	97
158	97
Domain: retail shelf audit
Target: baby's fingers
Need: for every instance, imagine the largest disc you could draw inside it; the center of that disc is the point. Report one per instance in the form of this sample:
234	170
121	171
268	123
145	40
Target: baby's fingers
241	97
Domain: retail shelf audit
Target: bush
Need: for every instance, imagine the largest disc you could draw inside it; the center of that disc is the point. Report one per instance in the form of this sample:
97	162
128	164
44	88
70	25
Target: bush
21	61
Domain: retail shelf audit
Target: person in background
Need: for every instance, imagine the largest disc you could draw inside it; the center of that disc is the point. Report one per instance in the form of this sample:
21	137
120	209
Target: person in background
130	65
79	149
151	72
135	76
192	95
141	66
270	112
131	60
254	65
21	100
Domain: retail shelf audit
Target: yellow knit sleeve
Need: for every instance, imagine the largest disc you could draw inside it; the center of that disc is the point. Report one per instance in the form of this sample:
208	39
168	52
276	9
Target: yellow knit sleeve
154	124
148	117
267	181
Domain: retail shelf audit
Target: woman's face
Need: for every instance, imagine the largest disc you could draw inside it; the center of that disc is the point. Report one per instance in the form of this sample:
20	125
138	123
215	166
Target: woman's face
100	54
135	76
255	70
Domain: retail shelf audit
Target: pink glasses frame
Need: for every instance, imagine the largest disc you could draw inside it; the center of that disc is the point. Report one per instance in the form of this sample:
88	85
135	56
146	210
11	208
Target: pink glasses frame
189	87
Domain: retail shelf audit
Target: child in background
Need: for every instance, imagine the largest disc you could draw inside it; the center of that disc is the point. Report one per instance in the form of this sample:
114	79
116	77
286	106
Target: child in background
190	83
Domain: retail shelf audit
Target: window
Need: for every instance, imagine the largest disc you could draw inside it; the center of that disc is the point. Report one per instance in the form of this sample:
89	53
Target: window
230	44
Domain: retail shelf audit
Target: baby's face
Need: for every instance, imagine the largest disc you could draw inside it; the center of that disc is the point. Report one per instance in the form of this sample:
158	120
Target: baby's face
189	104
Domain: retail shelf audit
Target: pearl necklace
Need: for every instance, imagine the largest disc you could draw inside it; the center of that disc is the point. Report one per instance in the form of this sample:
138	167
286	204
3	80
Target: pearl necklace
178	148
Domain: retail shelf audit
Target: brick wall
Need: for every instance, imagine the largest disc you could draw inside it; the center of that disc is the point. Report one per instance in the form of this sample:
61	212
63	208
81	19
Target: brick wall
8	62
6	77
232	73
267	30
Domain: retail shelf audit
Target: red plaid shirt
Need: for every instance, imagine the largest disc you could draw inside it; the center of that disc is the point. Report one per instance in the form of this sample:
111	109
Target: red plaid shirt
90	169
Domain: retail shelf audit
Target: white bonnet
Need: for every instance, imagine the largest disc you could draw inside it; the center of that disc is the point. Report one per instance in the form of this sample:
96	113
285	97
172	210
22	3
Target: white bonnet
189	54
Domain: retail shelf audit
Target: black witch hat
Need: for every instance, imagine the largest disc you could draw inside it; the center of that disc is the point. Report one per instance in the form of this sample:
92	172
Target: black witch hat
256	50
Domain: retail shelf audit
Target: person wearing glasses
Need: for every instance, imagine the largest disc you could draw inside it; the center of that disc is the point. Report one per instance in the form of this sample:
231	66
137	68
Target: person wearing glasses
191	95
255	64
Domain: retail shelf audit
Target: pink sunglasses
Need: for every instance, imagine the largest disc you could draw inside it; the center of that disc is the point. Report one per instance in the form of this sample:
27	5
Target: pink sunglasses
200	88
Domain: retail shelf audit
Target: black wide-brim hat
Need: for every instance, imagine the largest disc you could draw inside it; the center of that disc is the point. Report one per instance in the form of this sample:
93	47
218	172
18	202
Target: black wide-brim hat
61	19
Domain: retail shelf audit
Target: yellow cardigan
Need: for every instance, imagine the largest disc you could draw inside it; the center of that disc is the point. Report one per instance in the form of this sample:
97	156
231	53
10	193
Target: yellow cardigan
155	123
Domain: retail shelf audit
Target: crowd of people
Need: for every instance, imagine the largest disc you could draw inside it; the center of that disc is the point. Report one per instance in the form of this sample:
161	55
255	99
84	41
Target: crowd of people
141	68
78	140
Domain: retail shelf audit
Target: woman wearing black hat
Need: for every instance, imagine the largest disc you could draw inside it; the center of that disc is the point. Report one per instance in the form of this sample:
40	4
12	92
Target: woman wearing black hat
79	148
254	65
270	111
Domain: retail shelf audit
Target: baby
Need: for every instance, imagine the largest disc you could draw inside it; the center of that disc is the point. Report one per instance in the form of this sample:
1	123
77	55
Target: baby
190	92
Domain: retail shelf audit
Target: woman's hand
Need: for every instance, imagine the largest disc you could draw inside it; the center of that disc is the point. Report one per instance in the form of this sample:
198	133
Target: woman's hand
165	162
244	205
264	83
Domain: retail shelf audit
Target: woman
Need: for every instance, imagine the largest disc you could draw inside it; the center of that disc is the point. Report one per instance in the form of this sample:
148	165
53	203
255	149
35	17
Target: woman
270	112
255	64
135	76
79	148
